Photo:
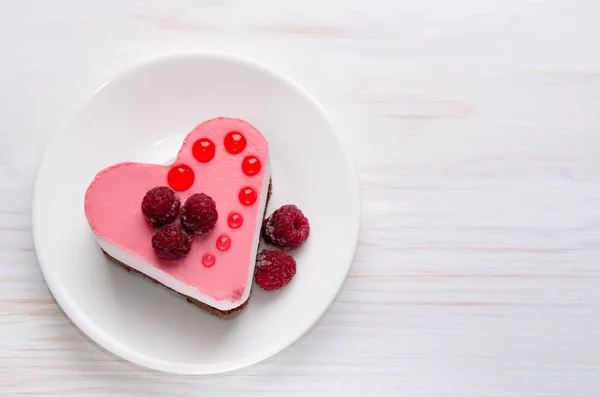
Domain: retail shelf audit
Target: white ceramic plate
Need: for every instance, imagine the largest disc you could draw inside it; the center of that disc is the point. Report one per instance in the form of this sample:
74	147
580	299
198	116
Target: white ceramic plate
143	115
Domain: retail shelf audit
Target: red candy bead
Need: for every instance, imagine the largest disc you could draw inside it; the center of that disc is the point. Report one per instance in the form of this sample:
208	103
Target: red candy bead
235	142
203	150
247	196
180	177
235	220
208	260
223	242
251	165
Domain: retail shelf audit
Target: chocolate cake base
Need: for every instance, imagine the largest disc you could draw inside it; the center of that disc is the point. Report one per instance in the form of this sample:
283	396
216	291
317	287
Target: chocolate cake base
212	310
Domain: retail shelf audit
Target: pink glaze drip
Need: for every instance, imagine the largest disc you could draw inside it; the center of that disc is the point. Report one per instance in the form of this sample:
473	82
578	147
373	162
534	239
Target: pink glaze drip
113	208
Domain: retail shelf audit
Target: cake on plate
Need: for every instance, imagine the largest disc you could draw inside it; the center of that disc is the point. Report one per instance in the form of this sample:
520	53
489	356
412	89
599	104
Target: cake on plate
192	226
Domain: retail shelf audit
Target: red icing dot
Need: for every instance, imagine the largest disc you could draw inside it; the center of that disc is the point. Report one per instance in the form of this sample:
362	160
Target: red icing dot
208	260
180	177
235	220
247	196
223	242
251	165
235	142
203	150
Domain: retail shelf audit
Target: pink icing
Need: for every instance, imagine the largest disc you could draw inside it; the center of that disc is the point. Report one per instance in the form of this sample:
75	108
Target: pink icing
113	208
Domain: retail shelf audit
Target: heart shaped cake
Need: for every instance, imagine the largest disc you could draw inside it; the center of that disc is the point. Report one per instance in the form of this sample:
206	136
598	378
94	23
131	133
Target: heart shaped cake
222	172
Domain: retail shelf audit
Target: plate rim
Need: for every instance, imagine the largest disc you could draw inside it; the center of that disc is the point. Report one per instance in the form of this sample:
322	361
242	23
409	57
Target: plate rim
102	338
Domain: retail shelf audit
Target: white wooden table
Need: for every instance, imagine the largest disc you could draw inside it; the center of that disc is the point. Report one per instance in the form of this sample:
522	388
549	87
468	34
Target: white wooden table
475	129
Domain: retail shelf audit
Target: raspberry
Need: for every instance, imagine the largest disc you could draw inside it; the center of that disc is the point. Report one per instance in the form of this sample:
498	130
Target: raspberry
171	242
160	205
199	214
287	228
275	268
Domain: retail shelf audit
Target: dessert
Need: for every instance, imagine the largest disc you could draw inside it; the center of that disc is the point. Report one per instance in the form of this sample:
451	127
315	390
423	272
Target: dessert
193	225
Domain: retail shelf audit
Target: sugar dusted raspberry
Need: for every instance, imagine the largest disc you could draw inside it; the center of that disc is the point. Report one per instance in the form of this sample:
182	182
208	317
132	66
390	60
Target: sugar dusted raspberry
287	228
263	231
274	269
160	205
171	242
199	214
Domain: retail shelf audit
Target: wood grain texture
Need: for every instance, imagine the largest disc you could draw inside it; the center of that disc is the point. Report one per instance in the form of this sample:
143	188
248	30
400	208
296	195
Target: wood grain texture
475	129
